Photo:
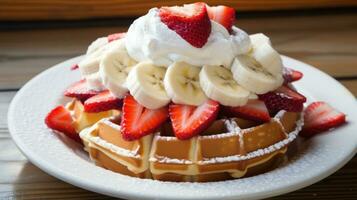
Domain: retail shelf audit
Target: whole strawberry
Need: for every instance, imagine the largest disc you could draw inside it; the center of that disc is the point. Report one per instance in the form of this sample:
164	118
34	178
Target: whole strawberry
190	21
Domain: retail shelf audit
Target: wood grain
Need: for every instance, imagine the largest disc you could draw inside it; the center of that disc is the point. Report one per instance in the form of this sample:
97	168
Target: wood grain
328	42
68	9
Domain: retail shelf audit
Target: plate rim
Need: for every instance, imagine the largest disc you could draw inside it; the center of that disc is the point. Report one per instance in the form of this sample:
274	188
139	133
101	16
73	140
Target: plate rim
68	178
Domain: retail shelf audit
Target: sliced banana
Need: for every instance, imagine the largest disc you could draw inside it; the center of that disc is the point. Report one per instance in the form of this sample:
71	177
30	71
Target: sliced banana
265	54
182	84
94	81
96	44
114	69
145	83
90	63
218	84
253	96
251	75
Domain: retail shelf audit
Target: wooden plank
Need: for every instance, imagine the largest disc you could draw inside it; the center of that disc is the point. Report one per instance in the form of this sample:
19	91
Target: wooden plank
5	98
67	9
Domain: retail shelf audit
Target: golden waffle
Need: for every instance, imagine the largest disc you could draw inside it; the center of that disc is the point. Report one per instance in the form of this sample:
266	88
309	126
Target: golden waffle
230	148
84	119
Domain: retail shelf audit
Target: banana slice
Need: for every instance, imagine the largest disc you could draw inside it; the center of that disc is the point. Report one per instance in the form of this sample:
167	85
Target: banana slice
265	54
145	83
114	69
251	75
94	81
90	63
182	84
218	84
96	44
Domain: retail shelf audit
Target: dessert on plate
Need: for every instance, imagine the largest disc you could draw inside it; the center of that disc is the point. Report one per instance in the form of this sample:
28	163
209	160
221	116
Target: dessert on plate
185	95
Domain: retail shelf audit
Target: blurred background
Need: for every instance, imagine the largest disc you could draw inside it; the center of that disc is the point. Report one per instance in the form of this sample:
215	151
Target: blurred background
89	9
37	34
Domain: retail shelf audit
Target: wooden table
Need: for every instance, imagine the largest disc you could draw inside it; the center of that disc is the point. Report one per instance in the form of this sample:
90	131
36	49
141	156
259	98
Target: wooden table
327	41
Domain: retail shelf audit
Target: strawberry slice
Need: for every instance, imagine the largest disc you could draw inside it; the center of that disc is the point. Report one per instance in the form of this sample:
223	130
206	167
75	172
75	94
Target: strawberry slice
103	101
138	121
116	36
291	75
60	119
80	91
254	110
320	116
191	22
223	15
189	121
283	98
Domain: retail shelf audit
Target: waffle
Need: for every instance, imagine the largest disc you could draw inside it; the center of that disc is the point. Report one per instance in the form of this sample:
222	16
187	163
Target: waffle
229	148
84	119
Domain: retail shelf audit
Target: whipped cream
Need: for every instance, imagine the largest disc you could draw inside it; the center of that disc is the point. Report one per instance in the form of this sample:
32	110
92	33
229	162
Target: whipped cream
148	39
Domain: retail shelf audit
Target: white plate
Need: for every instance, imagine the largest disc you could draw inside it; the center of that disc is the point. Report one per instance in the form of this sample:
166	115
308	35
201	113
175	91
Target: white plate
316	158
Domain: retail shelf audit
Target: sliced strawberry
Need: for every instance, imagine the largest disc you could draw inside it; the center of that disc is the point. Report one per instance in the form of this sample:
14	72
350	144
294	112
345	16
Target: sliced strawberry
254	110
283	98
80	91
138	121
291	75
74	67
115	36
222	14
191	22
60	119
320	116
189	121
102	102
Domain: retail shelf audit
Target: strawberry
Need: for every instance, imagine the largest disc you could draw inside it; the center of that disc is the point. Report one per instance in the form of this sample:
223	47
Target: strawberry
138	121
60	119
80	91
291	75
283	98
116	36
74	67
189	121
254	110
223	15
320	116
191	22
103	101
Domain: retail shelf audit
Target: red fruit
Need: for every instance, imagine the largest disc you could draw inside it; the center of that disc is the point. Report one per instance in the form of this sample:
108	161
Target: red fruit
283	98
223	15
189	121
138	121
320	116
254	110
291	75
60	119
102	102
74	67
80	91
191	22
115	36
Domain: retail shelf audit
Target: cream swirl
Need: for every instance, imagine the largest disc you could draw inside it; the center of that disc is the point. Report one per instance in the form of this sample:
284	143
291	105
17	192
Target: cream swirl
150	39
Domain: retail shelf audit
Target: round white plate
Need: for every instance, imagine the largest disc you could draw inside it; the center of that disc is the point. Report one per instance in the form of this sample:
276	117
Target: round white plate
316	158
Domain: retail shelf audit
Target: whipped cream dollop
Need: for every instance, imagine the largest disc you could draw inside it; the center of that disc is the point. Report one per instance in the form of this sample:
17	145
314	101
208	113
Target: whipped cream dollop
149	39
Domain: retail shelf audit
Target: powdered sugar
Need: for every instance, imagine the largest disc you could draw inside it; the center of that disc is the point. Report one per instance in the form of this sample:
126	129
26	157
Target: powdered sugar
260	152
85	134
164	159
